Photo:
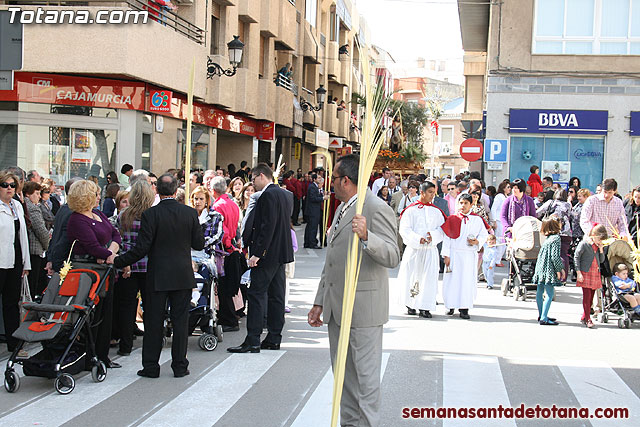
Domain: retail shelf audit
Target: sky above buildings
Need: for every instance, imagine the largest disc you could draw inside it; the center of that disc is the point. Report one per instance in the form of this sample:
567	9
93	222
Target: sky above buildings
409	29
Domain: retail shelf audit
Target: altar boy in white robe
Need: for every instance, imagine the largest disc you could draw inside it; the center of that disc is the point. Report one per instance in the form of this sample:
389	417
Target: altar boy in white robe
420	228
465	233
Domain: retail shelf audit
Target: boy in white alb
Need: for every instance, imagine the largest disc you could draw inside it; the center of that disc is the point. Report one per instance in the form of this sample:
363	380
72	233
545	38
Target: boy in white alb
420	230
465	233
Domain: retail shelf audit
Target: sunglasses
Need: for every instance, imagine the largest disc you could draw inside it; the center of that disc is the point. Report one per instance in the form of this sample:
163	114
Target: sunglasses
8	184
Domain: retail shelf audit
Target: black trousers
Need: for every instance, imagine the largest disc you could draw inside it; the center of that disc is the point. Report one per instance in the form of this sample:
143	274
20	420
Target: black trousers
155	304
10	285
311	230
295	215
126	305
266	293
35	275
103	320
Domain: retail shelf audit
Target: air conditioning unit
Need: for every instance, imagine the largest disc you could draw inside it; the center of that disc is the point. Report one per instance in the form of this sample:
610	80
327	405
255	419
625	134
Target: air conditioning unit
185	2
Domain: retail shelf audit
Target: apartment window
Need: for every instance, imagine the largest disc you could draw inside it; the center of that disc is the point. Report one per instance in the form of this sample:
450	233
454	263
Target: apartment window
587	27
213	42
445	140
311	11
334	25
264	48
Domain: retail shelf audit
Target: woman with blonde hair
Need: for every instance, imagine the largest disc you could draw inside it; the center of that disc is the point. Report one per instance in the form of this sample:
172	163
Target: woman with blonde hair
141	198
210	221
95	241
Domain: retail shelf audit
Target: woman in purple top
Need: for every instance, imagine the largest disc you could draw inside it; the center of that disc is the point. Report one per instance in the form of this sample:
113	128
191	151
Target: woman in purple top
517	204
95	239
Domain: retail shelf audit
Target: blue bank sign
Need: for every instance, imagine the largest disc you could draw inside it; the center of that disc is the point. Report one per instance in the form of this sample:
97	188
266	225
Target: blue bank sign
635	123
581	122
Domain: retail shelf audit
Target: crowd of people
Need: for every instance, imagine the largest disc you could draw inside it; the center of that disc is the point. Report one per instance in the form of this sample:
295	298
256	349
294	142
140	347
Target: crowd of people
571	215
240	219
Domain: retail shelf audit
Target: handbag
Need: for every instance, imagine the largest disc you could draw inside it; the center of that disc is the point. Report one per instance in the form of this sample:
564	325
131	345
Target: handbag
25	295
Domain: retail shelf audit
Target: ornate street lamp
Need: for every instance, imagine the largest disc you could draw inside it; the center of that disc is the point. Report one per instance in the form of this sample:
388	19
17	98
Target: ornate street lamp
235	47
321	92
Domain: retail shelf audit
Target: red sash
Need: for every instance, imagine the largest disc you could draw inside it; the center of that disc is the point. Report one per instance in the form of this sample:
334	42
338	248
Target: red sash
452	225
421	205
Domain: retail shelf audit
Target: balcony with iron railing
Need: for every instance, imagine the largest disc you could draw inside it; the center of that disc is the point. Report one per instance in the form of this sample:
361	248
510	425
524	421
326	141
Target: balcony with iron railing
160	51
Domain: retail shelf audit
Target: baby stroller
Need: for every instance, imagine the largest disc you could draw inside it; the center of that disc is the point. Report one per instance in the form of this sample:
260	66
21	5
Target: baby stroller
611	301
62	323
522	253
203	315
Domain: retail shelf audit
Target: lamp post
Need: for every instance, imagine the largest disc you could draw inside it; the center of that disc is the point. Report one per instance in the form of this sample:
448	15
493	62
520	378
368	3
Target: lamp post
235	47
321	92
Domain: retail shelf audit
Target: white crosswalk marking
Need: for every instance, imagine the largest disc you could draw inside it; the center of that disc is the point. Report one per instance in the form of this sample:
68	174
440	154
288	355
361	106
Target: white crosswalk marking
473	382
596	385
55	409
227	382
317	410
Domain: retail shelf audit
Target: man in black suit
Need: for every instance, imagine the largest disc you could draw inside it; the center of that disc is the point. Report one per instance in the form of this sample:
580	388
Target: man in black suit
168	232
270	248
313	211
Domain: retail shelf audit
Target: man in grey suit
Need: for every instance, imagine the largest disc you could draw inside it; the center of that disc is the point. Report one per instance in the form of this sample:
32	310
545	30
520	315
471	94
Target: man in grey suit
376	228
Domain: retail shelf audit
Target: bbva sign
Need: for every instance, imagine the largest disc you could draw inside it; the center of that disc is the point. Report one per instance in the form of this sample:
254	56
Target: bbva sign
557	119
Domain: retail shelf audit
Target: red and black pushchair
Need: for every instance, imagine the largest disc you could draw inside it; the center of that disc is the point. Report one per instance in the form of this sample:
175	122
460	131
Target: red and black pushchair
62	323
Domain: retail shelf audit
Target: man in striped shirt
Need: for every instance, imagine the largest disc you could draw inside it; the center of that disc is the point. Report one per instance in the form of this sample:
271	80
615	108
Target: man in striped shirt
606	209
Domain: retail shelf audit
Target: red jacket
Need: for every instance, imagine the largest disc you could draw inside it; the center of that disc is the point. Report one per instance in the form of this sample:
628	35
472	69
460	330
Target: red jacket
535	183
293	185
231	214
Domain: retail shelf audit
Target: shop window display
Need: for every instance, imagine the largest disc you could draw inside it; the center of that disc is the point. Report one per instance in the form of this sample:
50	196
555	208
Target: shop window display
586	156
59	152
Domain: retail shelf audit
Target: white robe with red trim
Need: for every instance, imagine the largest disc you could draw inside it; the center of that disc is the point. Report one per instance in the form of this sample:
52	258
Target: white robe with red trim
420	263
459	287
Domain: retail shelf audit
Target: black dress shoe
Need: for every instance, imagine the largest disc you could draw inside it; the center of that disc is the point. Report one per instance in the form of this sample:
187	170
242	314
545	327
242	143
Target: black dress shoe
411	311
113	365
226	328
553	319
265	345
148	374
464	313
138	332
181	374
124	353
296	224
315	247
450	312
244	348
426	314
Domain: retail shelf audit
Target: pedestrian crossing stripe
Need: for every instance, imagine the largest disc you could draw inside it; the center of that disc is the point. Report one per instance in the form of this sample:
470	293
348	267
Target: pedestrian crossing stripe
226	384
468	381
55	409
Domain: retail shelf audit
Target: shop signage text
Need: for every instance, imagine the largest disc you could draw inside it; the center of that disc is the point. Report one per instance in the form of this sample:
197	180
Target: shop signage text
106	93
583	122
68	90
580	153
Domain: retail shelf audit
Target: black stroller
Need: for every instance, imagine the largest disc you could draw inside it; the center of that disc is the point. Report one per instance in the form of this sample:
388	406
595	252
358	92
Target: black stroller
62	323
611	301
203	313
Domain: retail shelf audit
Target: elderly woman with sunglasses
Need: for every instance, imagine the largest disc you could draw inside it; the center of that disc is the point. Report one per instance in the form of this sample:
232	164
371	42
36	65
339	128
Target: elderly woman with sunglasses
15	261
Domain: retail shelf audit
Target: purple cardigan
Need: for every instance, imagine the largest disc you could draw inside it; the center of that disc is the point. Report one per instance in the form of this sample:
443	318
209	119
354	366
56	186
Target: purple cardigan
93	237
512	210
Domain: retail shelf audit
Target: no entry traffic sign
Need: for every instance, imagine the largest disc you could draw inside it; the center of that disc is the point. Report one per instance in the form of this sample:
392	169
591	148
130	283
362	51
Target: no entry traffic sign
471	150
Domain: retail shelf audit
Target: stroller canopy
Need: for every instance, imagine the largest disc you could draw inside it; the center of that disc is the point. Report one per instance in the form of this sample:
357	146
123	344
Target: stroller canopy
526	235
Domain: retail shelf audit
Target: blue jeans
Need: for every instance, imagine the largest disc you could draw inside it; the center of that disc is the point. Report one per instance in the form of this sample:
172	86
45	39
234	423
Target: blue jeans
488	273
543	306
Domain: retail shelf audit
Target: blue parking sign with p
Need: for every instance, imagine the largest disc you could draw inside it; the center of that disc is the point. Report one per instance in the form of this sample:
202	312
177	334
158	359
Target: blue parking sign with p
495	150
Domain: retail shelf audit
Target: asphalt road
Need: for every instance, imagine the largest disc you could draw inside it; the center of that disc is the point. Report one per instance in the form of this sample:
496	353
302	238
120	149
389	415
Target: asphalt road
499	357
